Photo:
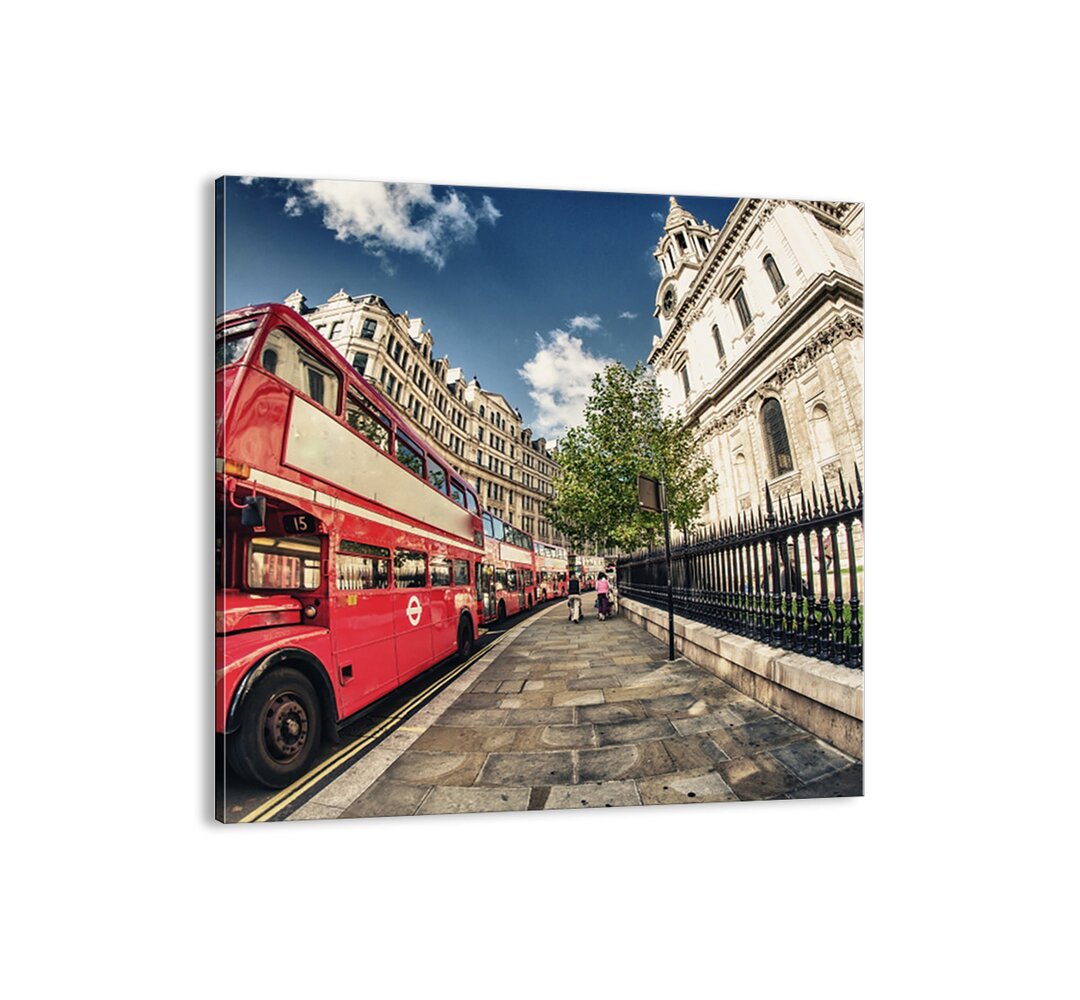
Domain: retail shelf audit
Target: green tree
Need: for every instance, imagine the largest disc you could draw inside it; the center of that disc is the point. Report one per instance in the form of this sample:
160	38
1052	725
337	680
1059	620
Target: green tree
625	435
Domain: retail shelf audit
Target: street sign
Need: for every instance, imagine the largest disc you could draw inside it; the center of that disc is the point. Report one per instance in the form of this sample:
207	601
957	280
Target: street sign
648	494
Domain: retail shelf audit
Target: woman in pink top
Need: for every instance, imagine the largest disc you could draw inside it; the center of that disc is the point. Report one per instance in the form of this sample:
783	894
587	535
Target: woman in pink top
603	588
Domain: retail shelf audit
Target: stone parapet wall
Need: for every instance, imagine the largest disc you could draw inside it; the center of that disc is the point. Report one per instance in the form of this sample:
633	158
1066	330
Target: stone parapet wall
822	697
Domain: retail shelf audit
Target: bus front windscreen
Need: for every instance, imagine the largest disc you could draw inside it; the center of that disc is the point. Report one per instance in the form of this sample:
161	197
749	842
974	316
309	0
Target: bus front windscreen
233	343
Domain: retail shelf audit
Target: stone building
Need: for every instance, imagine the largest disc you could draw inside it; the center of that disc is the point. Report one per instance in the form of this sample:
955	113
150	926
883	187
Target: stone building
478	433
761	343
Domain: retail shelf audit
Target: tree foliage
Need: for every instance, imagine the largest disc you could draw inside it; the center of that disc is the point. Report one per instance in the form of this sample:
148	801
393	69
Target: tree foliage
626	435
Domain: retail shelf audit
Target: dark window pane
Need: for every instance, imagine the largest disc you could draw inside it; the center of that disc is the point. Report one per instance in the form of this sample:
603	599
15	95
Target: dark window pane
774	273
437	476
362	572
457	492
744	309
410	455
440	571
365	419
718	342
410	569
776	434
461	571
290	562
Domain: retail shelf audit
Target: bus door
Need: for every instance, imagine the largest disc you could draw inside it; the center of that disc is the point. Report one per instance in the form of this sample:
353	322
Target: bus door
486	589
444	610
412	613
363	628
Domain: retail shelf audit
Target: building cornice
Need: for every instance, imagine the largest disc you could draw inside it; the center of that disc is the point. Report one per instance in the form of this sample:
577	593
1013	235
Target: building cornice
846	326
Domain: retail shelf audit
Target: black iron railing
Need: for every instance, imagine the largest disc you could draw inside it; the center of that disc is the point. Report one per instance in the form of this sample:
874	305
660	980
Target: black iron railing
788	576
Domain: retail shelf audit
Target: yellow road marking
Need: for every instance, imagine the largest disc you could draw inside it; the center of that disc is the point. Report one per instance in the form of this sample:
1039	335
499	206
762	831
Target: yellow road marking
271	807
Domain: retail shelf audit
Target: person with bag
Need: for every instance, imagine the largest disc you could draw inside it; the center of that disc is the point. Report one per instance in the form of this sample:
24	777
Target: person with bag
603	589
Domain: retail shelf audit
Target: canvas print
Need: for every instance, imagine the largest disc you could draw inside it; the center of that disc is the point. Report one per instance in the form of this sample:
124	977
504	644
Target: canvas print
534	499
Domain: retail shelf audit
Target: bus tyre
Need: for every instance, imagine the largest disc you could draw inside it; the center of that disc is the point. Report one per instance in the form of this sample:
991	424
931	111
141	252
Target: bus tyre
279	729
465	641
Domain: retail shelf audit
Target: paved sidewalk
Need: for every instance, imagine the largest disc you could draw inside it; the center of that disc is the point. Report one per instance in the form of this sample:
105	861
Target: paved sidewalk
569	716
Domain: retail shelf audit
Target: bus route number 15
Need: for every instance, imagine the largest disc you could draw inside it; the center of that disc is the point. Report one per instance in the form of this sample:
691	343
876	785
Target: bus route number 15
299	524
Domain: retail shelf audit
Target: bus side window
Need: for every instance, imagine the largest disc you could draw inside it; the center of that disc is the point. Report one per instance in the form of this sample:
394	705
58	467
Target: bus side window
457	492
436	475
410	569
410	455
489	529
365	419
470	501
440	571
461	572
362	567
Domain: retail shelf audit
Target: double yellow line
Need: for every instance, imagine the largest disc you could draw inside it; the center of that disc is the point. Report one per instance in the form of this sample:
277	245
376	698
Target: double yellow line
287	796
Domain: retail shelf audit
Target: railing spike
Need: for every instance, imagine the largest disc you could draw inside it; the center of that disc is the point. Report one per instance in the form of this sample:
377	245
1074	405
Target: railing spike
858	480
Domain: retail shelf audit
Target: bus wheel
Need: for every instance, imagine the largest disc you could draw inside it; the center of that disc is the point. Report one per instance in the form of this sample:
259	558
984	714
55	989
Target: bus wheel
279	729
465	641
501	615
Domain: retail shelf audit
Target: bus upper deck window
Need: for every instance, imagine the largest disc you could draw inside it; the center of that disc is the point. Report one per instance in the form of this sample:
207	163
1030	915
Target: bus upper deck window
286	358
410	455
437	476
367	420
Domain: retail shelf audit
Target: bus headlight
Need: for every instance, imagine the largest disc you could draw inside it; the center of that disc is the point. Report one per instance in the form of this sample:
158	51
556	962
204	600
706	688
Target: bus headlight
310	611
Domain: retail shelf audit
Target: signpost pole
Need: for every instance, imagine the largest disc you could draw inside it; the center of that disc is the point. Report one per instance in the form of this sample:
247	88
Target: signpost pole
670	592
652	495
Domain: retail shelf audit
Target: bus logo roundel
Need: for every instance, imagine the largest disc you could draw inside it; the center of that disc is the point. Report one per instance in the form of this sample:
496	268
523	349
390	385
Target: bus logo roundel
413	611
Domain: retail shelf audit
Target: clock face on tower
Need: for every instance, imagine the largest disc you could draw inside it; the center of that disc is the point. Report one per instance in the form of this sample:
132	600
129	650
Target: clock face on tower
668	301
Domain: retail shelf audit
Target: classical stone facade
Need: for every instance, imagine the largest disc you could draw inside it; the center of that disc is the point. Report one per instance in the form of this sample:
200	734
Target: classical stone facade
761	343
478	433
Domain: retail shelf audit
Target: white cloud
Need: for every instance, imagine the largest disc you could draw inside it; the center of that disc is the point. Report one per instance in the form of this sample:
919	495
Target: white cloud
627	315
404	217
559	376
247	180
659	217
584	323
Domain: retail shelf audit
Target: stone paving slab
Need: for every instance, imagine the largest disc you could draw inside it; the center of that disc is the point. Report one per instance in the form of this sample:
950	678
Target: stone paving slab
473	800
701	785
586	716
593	795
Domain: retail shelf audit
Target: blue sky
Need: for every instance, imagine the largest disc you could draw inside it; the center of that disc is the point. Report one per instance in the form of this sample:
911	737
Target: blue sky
529	290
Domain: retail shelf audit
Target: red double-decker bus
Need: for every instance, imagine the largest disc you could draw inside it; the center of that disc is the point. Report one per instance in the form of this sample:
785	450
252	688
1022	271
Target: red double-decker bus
347	552
508	575
552	570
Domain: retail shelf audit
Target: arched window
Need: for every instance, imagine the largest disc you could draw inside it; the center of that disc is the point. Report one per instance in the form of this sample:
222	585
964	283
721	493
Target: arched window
685	375
772	422
774	272
744	310
823	436
718	342
269	360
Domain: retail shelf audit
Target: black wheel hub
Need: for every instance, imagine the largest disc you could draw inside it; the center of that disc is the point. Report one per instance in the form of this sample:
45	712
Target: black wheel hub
286	728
